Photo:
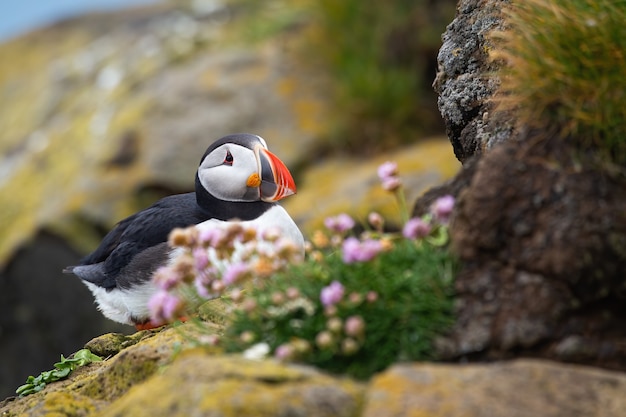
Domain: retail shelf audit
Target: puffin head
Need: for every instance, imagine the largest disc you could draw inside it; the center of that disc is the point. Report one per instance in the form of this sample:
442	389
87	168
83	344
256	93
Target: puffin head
240	168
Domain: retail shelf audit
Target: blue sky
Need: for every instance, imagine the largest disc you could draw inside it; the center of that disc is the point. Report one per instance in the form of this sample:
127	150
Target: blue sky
19	16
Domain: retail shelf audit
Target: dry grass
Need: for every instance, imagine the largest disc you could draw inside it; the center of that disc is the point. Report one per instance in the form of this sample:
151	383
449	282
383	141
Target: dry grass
565	69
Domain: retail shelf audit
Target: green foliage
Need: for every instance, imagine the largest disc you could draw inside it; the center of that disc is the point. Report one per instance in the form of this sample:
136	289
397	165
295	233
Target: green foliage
566	70
412	289
381	56
61	370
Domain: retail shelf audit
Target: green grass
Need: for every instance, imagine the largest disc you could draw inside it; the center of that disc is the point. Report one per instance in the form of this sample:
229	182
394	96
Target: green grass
565	70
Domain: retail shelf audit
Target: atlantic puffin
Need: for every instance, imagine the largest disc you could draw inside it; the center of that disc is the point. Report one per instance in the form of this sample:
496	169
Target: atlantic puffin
238	179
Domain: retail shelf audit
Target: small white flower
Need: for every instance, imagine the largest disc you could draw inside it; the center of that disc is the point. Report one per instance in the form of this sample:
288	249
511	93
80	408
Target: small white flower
257	352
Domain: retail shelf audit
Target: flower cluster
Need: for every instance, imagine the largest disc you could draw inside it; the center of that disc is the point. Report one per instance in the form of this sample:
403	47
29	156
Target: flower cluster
358	302
337	309
215	260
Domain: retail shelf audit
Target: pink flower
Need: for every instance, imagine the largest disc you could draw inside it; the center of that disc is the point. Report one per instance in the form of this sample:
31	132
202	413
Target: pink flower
166	278
391	183
163	307
292	293
340	223
387	170
354	326
234	273
211	236
201	286
324	339
332	294
371	297
416	228
442	208
200	257
284	352
356	251
376	220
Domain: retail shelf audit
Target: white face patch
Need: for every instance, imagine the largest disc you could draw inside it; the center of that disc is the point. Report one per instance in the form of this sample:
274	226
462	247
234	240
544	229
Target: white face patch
225	171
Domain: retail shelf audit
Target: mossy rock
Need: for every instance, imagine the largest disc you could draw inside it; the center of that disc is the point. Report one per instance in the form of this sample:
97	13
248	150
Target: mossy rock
199	384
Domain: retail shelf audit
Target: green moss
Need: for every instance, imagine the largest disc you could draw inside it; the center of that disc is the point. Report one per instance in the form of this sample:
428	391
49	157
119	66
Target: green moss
233	386
112	343
67	404
214	311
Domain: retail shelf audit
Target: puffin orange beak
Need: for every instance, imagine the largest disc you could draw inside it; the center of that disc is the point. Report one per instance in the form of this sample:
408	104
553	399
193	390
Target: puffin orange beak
276	180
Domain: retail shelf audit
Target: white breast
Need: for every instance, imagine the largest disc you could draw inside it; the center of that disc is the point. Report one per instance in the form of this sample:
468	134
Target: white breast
276	218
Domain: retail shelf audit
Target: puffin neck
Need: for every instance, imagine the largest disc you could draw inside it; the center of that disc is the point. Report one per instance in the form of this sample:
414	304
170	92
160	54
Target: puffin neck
227	210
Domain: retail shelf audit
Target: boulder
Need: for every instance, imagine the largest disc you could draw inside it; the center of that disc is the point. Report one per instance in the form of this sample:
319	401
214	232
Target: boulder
161	373
467	79
539	225
520	388
541	232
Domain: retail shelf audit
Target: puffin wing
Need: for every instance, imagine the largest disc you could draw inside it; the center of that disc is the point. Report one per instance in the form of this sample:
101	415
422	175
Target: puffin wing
136	234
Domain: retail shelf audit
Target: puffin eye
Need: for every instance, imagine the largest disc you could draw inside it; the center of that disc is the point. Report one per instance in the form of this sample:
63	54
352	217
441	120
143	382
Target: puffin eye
228	160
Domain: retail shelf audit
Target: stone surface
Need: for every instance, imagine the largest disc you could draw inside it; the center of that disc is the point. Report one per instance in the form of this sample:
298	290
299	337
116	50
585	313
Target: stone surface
90	388
43	318
163	374
466	79
351	185
522	388
197	384
541	232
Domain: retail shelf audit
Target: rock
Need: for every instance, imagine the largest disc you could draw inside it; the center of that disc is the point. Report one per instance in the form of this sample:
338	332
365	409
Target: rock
466	79
45	313
350	185
110	344
92	387
521	388
541	232
194	381
539	224
162	374
197	384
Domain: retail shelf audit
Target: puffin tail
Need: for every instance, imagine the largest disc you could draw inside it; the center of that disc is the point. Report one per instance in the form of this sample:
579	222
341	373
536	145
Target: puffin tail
68	270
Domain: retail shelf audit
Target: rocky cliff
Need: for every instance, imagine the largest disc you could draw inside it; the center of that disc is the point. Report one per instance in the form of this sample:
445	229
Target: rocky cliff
539	228
106	113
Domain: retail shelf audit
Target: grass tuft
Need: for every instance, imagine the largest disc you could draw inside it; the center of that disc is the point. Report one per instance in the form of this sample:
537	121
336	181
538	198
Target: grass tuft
565	70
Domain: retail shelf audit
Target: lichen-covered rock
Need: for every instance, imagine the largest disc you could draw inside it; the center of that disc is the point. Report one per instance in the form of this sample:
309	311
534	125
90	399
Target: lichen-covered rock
522	388
88	389
197	384
163	375
110	344
467	79
351	185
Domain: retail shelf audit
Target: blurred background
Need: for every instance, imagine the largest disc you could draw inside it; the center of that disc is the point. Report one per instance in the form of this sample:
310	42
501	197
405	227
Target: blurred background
107	105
